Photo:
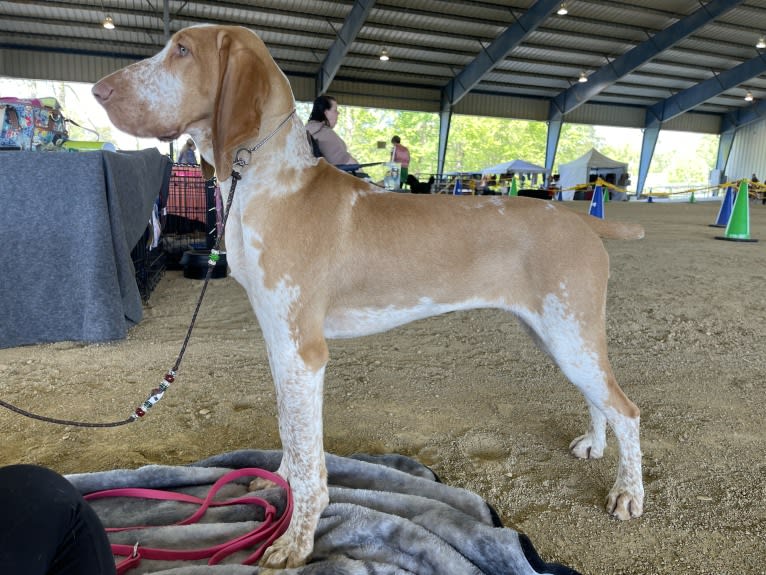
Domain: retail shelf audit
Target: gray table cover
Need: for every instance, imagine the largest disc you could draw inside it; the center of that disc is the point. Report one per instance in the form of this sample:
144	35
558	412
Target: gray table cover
68	223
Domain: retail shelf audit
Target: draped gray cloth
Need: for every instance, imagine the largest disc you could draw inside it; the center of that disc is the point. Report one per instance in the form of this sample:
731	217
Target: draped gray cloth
388	515
68	223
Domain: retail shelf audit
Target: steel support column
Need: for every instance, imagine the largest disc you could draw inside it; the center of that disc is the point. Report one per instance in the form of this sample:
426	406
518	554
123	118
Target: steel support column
651	134
552	142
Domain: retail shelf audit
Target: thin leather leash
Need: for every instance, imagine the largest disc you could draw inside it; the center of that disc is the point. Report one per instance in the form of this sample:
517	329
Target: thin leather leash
241	159
263	536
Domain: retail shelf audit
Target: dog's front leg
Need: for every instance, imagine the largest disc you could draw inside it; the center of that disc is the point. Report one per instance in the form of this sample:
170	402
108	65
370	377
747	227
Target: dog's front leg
299	380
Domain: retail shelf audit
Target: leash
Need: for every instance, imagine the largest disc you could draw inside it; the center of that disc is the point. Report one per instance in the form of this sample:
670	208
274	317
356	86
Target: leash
264	535
156	394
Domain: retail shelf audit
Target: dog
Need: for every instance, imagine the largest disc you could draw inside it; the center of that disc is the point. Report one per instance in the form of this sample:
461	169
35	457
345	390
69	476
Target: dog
418	187
322	254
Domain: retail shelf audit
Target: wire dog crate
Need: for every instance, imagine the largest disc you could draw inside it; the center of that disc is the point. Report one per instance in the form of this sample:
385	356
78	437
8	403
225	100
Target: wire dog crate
185	221
189	217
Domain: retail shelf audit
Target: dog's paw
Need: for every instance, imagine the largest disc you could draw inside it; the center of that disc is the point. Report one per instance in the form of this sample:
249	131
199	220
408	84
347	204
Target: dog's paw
285	553
259	483
624	505
587	447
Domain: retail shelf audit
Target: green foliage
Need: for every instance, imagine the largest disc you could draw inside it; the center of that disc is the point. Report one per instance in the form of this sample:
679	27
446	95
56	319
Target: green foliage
688	163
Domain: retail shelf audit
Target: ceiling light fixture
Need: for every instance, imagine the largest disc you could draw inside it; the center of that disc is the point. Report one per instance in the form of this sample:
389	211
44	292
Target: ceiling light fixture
761	43
562	11
384	55
583	78
108	23
749	97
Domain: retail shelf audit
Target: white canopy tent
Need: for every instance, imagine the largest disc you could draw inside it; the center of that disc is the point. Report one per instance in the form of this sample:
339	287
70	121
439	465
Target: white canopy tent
589	164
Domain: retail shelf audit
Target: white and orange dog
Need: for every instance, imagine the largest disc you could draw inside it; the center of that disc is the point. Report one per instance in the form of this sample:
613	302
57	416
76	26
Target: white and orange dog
323	254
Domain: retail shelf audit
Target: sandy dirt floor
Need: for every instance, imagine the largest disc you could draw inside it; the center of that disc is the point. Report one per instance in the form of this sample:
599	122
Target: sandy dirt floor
470	395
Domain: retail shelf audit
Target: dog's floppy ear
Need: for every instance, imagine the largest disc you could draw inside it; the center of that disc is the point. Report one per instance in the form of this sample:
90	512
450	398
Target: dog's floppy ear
208	171
242	91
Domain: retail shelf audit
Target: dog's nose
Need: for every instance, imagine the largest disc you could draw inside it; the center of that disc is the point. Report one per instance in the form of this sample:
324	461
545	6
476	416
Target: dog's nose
102	91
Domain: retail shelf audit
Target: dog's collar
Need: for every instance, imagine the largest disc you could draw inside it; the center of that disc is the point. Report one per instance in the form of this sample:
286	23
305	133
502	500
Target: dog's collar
241	160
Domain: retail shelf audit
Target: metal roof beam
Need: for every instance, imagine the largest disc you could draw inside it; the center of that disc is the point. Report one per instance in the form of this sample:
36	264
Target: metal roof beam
578	94
337	52
744	117
497	51
488	58
692	97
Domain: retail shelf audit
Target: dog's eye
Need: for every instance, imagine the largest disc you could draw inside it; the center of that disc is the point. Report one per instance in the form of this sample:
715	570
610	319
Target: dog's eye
182	50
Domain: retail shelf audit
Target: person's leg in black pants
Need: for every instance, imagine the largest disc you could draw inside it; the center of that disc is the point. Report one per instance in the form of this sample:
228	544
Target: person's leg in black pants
47	528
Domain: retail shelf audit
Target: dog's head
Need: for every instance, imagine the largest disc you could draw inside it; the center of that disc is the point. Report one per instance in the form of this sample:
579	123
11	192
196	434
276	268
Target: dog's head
212	81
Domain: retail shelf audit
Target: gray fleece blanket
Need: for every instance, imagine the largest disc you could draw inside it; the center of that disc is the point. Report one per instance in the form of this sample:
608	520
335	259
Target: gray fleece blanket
387	515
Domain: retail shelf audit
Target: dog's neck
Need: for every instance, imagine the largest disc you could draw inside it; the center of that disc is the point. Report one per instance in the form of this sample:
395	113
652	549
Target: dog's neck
271	167
281	134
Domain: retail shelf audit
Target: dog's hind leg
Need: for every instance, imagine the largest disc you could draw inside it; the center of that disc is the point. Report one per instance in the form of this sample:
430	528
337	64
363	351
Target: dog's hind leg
579	349
608	404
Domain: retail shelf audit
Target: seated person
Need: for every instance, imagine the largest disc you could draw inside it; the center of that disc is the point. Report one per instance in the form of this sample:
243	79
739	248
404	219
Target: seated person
320	126
187	155
47	527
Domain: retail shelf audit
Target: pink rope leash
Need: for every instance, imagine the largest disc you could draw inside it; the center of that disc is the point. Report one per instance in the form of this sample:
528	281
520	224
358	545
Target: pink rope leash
263	536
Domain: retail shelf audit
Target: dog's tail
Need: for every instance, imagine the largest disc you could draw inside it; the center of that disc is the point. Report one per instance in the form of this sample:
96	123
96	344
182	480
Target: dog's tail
612	230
